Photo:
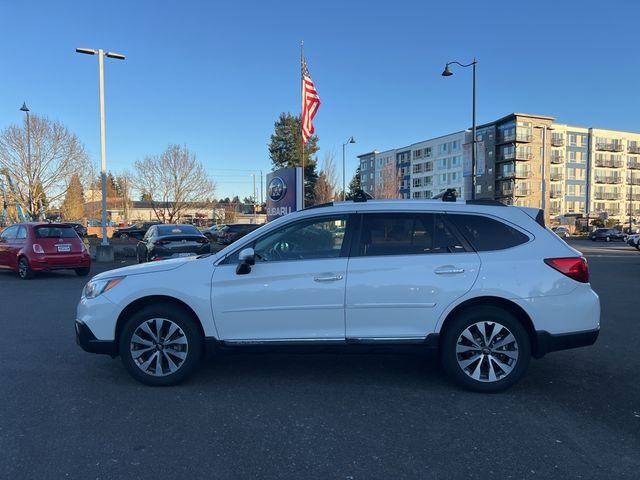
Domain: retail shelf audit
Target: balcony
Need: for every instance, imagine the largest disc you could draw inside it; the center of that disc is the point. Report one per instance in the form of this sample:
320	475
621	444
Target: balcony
557	141
516	174
633	165
613	212
505	192
556	177
606	196
556	194
506	138
523	155
522	192
633	148
609	163
523	137
635	197
633	181
555	211
557	159
610	180
610	147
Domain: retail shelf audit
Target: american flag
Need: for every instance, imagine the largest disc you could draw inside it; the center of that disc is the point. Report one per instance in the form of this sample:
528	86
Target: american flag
310	102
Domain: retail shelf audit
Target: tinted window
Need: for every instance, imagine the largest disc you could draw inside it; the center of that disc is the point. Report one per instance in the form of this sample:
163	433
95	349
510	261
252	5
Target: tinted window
55	232
485	234
177	230
406	234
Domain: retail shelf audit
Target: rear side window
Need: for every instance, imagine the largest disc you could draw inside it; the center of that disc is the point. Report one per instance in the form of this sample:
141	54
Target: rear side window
406	234
55	232
486	234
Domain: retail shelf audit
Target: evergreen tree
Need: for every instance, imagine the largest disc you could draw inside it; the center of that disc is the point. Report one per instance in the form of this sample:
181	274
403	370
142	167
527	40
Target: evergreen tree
73	205
354	184
285	150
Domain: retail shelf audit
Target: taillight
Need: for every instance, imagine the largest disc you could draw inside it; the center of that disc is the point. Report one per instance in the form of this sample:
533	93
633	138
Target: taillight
37	248
161	242
573	267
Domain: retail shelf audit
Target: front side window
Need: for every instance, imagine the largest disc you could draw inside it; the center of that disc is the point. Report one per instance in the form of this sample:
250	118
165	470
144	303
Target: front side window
9	233
22	233
305	240
405	234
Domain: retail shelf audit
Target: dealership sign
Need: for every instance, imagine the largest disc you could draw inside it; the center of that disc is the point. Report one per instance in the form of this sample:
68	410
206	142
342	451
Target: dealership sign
284	192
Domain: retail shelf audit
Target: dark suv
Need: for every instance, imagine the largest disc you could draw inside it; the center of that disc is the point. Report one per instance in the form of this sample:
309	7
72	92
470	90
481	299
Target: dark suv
231	233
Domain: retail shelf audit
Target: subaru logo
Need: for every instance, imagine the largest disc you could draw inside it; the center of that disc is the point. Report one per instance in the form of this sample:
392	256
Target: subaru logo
277	189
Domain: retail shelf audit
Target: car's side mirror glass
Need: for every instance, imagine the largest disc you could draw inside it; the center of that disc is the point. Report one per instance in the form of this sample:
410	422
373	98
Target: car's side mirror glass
246	258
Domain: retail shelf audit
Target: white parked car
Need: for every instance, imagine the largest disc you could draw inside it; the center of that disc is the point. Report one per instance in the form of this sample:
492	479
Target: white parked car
634	240
486	285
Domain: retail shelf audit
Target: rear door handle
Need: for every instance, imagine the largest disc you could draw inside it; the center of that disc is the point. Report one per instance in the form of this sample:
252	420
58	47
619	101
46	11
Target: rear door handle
449	270
331	278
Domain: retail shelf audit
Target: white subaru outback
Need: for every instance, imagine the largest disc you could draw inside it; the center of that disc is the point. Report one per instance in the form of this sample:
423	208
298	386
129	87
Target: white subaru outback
486	285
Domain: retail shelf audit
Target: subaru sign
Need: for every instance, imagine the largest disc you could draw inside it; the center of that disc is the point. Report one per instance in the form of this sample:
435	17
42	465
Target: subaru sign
284	192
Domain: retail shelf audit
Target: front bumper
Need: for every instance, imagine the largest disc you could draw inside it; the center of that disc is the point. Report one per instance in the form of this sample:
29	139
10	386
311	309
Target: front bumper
89	343
546	342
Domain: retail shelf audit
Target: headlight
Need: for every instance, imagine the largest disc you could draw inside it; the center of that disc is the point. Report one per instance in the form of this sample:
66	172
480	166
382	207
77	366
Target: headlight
98	287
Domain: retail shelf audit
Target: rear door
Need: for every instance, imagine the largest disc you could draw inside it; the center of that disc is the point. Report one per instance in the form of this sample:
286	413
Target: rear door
405	270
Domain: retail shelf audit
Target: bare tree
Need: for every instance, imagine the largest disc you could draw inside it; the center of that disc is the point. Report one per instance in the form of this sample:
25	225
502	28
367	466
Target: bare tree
325	189
45	175
173	179
388	186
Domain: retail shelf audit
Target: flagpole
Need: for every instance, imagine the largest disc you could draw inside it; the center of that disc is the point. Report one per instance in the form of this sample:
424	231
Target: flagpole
301	111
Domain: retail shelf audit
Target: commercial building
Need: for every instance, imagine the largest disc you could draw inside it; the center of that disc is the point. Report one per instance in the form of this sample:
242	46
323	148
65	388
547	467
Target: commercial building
521	159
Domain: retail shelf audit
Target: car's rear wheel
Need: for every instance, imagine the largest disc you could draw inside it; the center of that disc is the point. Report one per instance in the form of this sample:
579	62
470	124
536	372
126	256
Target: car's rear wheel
24	269
485	349
82	272
161	344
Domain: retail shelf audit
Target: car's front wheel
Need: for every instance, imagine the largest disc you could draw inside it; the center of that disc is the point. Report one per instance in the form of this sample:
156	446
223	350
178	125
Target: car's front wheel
161	344
485	349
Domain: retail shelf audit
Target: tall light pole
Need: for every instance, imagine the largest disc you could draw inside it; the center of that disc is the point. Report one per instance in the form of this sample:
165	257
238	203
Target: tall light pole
543	189
344	188
26	110
447	73
103	150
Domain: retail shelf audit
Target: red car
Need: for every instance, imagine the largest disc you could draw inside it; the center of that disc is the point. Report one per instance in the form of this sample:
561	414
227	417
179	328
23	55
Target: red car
28	248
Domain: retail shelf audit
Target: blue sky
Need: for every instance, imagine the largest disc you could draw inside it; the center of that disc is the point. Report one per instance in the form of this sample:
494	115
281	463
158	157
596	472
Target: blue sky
215	76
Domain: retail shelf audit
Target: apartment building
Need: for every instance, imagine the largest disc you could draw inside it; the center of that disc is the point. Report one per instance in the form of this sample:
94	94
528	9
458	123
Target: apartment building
587	172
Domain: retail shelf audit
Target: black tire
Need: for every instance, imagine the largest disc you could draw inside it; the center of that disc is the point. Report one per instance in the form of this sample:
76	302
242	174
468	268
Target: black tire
24	269
450	357
82	272
190	357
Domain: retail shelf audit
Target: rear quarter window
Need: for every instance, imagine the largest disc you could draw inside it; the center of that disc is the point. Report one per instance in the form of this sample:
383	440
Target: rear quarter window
487	234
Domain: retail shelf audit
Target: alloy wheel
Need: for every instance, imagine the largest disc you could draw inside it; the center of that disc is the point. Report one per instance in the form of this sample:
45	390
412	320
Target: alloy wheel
159	347
487	351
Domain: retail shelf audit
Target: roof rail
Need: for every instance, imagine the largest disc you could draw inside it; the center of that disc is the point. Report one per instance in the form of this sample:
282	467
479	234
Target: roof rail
319	205
486	201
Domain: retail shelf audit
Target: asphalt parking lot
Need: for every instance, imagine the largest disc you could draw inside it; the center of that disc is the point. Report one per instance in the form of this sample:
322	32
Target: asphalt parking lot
69	414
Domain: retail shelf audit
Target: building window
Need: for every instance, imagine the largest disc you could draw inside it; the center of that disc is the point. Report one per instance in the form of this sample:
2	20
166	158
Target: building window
417	168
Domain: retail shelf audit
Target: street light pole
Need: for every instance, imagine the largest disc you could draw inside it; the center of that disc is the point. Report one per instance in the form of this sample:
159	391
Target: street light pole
103	149
344	188
447	73
26	110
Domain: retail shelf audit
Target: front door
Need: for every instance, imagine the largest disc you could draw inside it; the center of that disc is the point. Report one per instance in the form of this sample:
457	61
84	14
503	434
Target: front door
406	270
294	292
6	241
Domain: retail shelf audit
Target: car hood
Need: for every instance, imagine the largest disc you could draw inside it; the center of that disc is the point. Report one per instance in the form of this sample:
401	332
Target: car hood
151	267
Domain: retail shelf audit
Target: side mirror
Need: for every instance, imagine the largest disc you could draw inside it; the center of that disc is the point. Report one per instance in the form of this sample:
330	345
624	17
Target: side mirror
246	259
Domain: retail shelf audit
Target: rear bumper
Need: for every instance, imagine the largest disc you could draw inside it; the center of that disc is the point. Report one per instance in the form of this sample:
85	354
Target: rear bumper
546	342
43	262
88	342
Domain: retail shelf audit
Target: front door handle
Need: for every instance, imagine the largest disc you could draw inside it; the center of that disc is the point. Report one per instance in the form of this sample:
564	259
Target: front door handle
331	278
449	270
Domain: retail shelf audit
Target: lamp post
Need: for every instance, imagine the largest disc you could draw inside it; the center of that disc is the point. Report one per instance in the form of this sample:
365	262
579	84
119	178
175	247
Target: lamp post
344	188
26	110
103	151
543	189
447	73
